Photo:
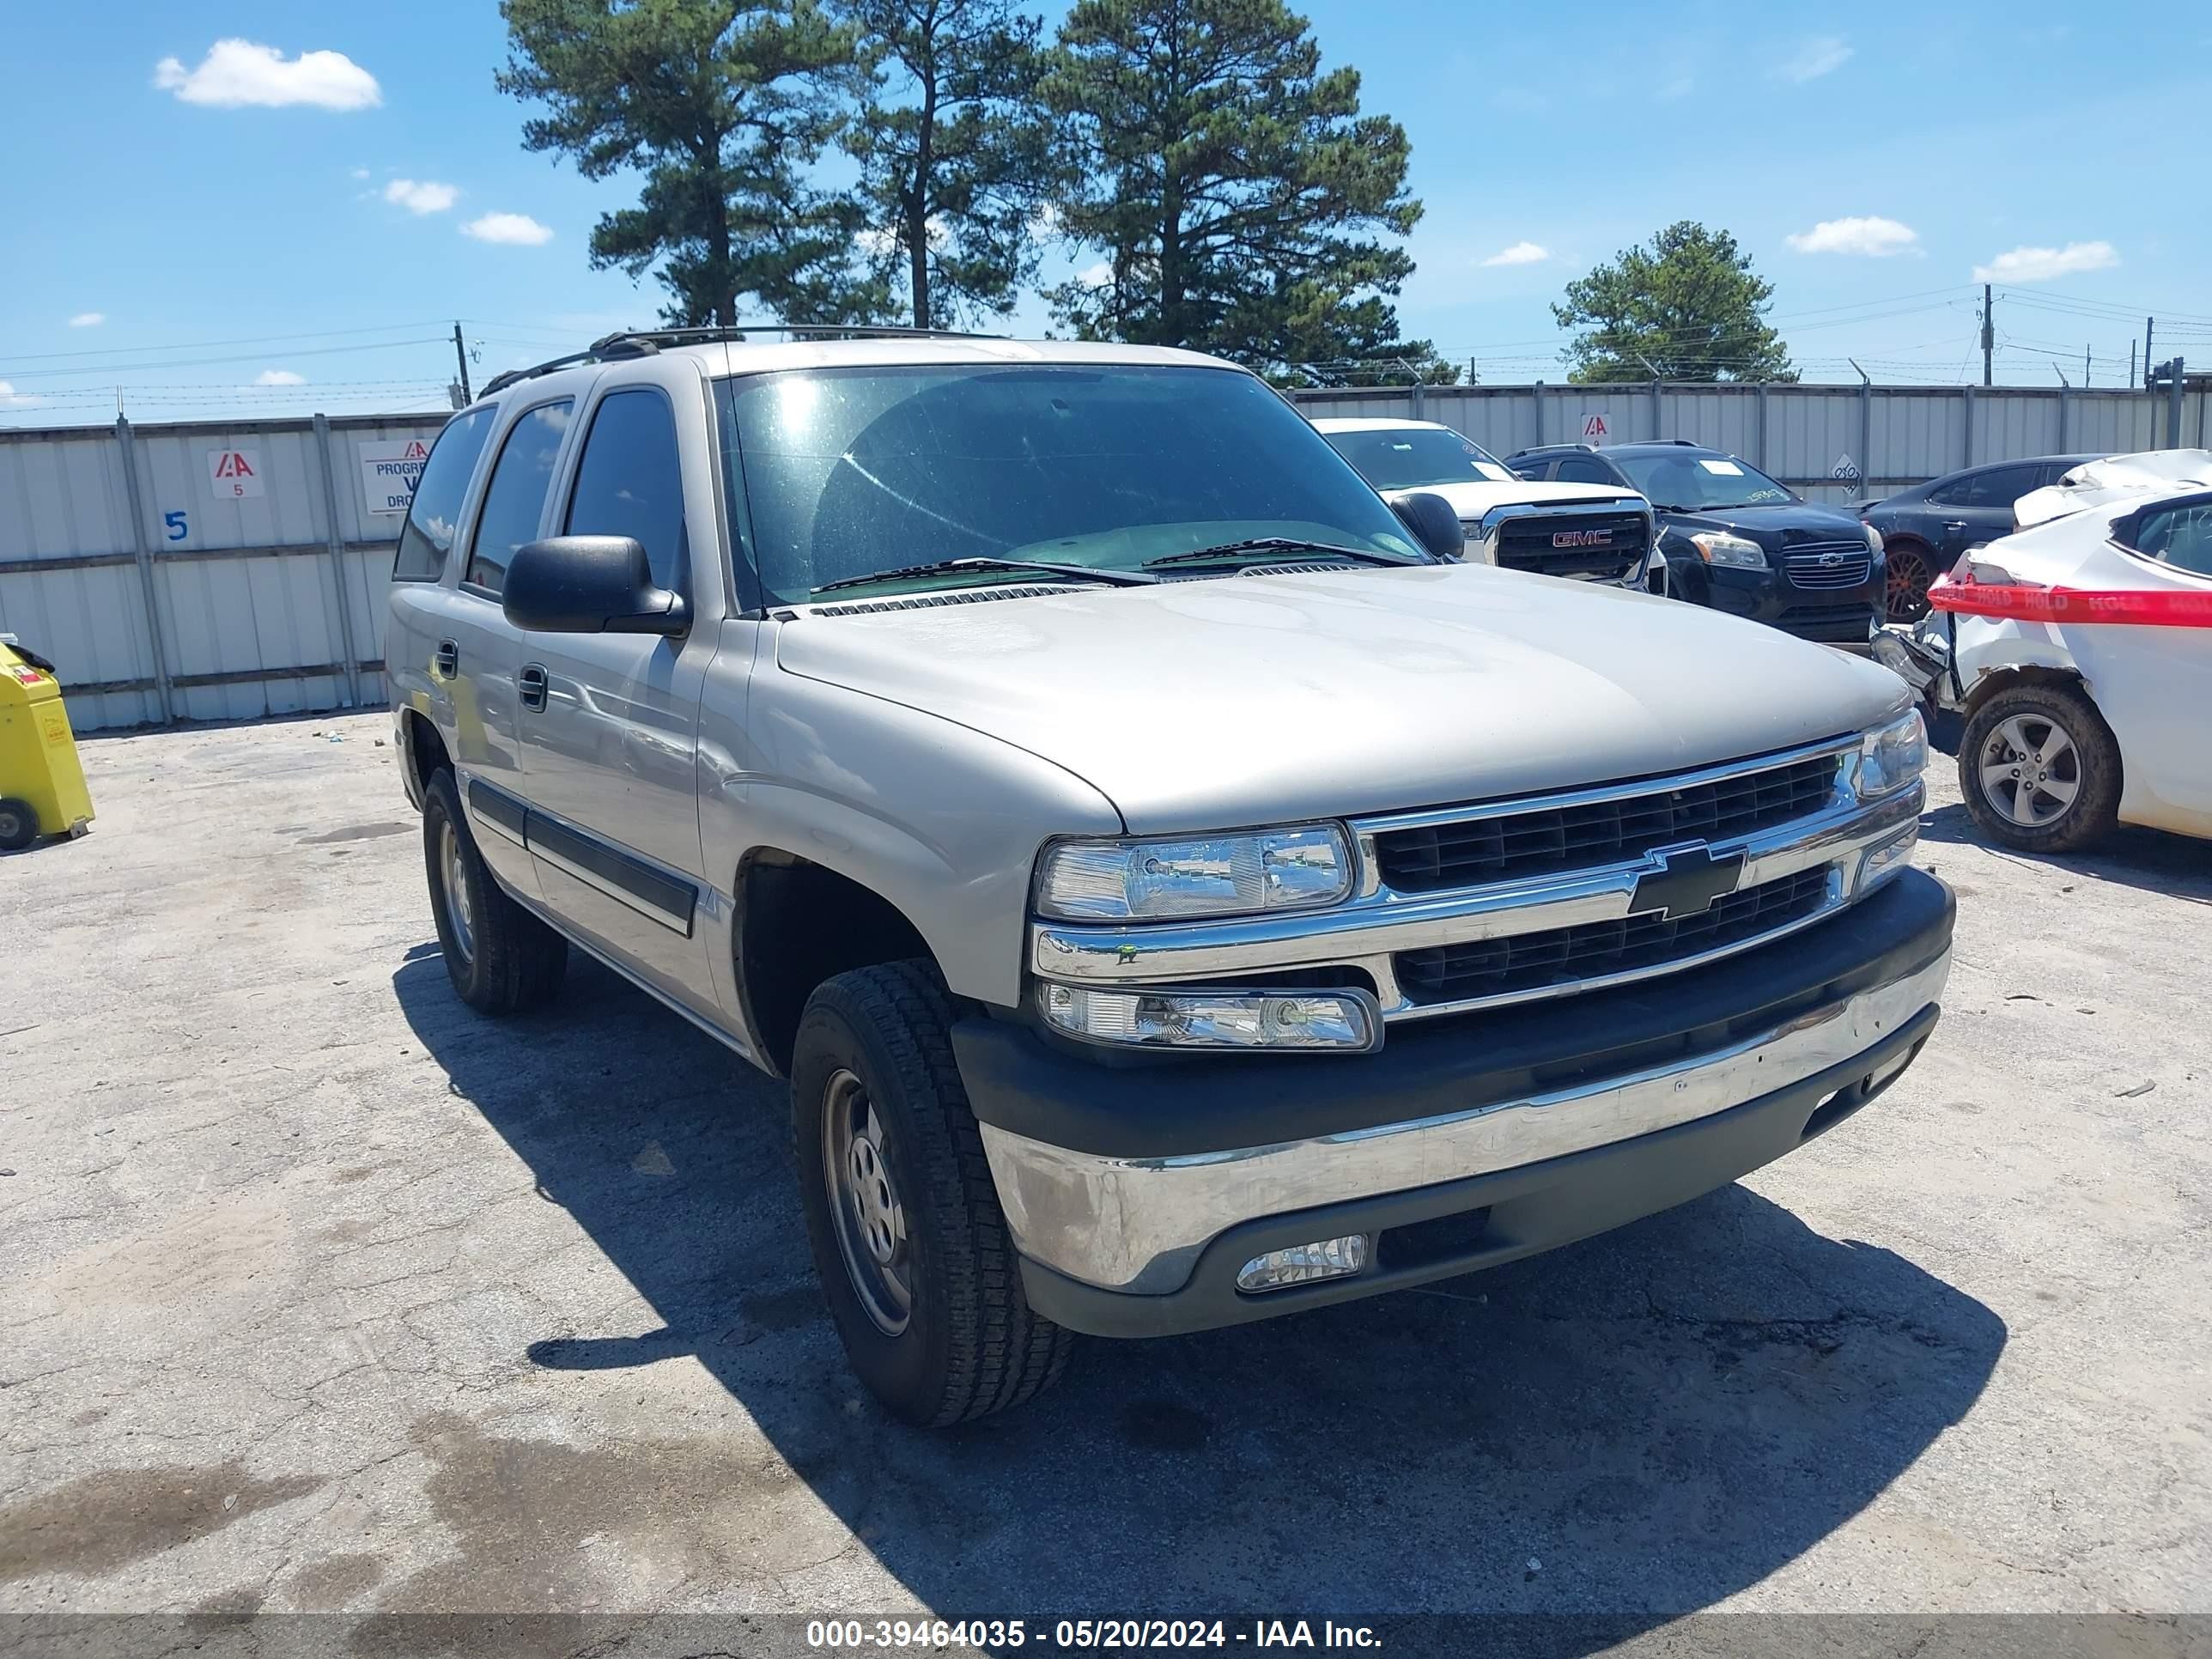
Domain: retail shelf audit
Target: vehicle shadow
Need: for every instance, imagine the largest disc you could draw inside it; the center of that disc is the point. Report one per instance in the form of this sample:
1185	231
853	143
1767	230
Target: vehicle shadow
1633	1428
2175	866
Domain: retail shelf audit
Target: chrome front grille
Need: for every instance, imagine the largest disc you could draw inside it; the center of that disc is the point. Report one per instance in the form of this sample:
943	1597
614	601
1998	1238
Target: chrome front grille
1469	852
1594	543
1570	958
1470	907
1828	564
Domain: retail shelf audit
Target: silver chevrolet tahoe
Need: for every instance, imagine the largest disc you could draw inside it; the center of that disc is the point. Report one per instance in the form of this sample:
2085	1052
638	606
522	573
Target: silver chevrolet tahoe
1177	890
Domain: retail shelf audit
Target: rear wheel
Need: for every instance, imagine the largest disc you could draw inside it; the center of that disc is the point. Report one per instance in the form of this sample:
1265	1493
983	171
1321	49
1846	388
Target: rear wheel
2041	770
908	1239
501	958
19	824
1910	574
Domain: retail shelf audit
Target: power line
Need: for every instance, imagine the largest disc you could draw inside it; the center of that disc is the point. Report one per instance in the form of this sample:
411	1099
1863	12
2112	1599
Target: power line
207	345
203	362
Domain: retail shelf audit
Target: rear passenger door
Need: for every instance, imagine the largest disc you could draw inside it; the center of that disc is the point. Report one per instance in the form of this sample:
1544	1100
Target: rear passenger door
610	722
481	651
1986	513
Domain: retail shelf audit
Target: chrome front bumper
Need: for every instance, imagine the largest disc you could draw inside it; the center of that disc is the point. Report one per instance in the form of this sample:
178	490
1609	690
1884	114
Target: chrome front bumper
1138	1225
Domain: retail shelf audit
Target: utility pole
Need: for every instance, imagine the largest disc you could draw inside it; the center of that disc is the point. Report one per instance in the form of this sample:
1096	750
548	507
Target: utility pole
2084	365
2148	321
2131	362
461	358
1989	334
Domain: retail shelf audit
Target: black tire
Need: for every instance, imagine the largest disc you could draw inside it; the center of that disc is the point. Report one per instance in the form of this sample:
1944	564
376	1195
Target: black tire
18	823
501	958
969	1344
2089	760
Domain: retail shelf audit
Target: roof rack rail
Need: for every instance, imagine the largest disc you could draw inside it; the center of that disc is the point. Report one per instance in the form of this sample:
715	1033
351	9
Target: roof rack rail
644	342
1549	449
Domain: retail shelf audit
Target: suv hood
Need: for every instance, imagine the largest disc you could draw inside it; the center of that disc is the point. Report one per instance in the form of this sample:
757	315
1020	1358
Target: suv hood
1474	498
1259	699
1773	522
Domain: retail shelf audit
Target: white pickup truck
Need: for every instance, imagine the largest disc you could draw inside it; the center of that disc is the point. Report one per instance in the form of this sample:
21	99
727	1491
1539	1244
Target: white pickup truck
1590	531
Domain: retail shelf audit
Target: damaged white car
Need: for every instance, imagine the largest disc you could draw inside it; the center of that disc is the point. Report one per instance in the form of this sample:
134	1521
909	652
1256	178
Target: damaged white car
2079	648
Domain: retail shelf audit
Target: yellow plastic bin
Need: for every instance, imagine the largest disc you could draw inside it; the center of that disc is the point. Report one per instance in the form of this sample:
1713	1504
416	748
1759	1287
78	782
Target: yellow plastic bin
42	790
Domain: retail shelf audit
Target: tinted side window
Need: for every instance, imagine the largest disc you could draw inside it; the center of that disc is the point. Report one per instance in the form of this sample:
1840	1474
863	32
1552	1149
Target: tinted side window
2181	536
2001	486
629	482
515	498
1584	468
1952	492
435	512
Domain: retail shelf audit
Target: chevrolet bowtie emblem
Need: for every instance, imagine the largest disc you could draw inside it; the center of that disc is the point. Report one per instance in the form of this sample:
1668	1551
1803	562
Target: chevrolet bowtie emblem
1688	880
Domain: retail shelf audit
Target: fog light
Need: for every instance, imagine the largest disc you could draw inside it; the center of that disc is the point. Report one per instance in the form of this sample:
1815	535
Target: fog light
1327	1258
1885	858
1215	1019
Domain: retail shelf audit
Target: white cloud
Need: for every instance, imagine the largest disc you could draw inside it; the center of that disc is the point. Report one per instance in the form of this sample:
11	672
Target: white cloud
1875	237
2041	264
877	242
1097	275
9	400
358	173
1823	54
515	229
1521	253
420	197
1047	223
279	377
87	319
238	73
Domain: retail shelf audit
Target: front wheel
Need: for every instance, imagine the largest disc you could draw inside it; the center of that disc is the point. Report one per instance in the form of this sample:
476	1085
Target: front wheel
19	824
2041	770
908	1239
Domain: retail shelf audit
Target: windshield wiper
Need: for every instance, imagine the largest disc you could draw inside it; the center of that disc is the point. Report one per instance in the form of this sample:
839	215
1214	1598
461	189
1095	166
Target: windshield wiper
1268	546
953	567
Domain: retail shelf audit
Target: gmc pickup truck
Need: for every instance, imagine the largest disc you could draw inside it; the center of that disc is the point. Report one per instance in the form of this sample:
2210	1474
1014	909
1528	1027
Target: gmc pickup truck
1178	890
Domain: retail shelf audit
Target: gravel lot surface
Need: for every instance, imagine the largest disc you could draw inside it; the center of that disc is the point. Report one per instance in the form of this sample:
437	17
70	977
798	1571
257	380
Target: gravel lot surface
318	1291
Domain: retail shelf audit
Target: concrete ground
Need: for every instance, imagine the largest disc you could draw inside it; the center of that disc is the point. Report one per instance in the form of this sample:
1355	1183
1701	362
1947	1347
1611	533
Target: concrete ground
319	1293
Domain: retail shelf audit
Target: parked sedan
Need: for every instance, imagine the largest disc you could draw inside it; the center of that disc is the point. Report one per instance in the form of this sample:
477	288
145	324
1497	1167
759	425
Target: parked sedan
1925	530
1735	540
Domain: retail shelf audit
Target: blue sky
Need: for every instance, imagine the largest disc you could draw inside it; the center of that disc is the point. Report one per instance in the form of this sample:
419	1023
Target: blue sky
171	231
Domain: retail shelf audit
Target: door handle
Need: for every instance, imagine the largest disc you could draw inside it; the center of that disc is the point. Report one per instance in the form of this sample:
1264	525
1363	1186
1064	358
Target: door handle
530	685
446	662
1954	524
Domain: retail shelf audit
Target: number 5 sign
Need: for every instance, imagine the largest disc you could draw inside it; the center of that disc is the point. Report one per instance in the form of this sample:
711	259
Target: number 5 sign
234	473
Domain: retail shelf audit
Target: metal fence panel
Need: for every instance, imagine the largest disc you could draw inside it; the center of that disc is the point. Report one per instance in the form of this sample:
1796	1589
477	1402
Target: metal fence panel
263	557
1892	437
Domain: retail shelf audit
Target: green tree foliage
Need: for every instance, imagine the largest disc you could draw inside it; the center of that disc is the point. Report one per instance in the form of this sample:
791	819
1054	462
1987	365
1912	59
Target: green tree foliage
1688	302
722	106
1234	189
955	160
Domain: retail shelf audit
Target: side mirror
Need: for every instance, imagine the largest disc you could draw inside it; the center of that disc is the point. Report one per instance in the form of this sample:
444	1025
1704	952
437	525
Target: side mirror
589	585
1433	521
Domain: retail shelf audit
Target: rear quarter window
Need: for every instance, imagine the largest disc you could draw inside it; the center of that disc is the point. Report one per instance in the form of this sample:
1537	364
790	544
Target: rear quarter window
433	515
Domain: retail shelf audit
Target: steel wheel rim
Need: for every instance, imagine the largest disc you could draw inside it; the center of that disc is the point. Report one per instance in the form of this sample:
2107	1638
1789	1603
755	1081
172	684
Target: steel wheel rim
11	824
460	914
865	1212
1908	586
2030	770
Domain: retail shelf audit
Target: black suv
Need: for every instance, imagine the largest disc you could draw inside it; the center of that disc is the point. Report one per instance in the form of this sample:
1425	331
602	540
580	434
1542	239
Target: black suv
1925	530
1735	540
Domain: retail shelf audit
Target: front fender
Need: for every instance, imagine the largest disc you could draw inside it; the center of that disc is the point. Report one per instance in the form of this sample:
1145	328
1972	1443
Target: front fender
941	821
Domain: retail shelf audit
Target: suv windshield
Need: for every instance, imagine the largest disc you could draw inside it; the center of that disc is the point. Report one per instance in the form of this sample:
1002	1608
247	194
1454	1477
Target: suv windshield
1691	483
848	471
1410	457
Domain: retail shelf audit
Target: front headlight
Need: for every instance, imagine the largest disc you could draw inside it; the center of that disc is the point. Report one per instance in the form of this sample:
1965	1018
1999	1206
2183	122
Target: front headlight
1892	758
1717	547
1195	875
1480	545
1874	539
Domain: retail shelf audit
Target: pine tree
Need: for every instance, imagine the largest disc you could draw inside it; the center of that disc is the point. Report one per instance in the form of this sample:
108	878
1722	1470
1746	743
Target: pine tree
1687	306
1234	190
723	105
954	153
